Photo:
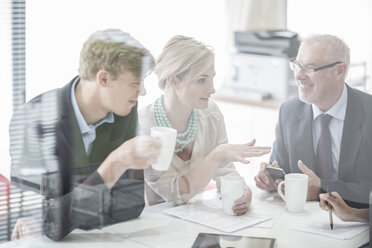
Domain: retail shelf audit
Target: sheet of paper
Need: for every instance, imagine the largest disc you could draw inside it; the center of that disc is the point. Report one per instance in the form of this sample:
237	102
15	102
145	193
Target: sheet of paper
268	210
318	223
210	213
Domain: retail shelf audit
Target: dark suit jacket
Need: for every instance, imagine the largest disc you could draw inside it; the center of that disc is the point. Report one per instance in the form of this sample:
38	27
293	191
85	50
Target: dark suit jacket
76	196
294	141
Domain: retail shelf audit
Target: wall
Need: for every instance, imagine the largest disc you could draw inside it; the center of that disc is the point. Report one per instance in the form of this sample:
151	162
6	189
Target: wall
349	20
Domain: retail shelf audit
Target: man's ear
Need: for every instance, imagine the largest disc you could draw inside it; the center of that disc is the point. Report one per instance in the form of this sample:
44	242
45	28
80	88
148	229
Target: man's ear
341	70
102	77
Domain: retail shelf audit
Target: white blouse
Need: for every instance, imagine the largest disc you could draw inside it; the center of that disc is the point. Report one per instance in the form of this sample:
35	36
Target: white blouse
211	131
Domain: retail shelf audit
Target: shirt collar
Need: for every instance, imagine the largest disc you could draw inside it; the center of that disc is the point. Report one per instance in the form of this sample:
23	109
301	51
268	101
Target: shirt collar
83	125
337	111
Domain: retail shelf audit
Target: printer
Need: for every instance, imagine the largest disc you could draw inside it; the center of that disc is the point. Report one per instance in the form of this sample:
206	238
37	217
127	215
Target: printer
279	43
259	68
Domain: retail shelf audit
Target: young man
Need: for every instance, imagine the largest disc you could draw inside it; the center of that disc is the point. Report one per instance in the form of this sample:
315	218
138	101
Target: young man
325	133
82	137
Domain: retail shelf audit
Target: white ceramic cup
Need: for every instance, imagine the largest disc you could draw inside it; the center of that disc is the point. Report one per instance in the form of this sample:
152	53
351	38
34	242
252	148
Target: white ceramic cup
232	188
295	191
167	137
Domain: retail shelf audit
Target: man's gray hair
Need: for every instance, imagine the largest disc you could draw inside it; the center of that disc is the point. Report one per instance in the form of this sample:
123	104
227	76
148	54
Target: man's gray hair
338	50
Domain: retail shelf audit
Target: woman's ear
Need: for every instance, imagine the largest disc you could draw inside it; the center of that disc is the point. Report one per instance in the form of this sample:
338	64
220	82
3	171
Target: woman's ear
172	81
102	77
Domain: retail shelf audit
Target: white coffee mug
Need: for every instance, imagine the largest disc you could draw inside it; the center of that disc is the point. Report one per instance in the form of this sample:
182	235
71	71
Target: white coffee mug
232	188
295	191
167	137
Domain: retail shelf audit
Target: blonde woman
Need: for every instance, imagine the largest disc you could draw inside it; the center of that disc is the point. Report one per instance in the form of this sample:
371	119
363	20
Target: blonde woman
185	70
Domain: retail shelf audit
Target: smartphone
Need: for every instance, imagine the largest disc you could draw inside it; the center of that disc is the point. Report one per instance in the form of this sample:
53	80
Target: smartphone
275	173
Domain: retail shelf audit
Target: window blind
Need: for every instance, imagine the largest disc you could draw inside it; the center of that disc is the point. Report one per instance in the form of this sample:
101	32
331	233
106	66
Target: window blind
18	11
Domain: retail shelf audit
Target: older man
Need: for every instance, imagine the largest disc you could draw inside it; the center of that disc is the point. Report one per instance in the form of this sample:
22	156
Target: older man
325	133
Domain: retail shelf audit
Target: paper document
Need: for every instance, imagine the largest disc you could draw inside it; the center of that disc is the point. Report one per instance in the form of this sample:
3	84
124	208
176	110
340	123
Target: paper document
269	210
210	213
318	223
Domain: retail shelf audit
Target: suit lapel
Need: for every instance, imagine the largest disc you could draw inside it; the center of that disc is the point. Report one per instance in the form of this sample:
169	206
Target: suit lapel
351	134
304	138
70	129
66	138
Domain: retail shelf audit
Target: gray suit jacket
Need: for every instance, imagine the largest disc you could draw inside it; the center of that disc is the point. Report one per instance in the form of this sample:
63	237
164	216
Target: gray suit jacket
294	142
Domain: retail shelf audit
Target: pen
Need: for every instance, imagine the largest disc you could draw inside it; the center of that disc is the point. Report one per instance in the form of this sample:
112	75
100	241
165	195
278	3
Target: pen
330	214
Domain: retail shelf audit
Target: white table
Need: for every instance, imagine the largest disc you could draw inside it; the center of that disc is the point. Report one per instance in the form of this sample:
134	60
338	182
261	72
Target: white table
155	229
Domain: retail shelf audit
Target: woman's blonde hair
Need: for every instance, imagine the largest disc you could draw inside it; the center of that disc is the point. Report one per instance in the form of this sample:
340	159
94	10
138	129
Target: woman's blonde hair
116	52
184	58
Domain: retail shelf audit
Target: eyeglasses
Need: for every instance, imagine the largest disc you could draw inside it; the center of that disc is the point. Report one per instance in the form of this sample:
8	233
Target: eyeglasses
308	70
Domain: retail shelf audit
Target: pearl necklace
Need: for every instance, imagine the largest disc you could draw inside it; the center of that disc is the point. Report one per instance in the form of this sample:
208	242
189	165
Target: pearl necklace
162	120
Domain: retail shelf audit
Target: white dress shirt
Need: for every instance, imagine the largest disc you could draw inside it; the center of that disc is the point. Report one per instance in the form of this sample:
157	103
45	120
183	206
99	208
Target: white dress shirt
88	131
336	126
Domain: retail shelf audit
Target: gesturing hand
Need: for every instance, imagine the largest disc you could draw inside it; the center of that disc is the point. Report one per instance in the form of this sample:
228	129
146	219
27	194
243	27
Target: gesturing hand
238	153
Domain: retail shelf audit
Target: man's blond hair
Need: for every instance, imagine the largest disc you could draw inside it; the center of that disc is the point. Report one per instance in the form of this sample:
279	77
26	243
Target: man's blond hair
116	52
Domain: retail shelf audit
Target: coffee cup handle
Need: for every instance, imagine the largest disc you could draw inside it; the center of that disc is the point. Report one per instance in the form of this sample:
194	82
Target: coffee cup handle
280	190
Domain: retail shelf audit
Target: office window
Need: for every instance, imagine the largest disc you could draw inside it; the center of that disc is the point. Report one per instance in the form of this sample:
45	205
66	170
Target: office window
14	202
12	76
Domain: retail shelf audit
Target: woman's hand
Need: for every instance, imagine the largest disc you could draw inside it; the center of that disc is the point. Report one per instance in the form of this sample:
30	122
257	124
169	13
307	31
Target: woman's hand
341	209
237	153
241	205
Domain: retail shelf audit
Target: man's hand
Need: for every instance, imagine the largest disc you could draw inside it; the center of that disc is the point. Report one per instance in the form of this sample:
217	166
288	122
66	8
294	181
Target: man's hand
314	184
137	153
264	180
25	227
241	205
